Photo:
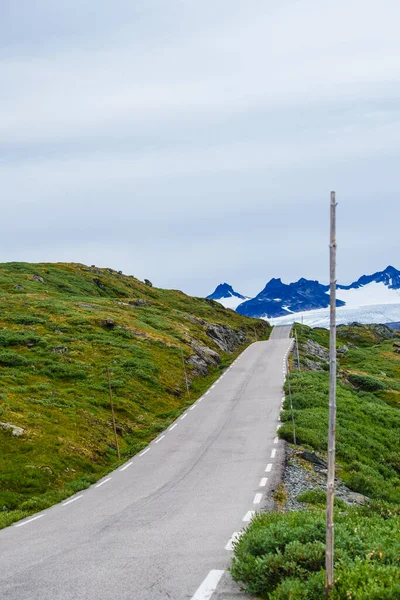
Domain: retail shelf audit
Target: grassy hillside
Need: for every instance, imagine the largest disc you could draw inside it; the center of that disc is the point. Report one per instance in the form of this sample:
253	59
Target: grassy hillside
282	554
61	326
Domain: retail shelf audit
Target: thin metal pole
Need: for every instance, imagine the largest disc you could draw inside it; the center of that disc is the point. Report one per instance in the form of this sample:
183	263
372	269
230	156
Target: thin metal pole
185	372
112	412
329	582
291	403
297	349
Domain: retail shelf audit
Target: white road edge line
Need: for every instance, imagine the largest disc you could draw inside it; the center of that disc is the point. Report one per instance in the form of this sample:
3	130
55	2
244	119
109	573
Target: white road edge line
193	407
273	452
29	521
183	417
159	439
126	466
257	499
206	394
103	482
144	452
173	427
200	399
268	468
248	516
209	585
234	538
263	481
276	440
72	500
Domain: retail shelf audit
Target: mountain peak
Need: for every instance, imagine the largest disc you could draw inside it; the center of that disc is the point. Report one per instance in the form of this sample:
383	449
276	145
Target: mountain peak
225	290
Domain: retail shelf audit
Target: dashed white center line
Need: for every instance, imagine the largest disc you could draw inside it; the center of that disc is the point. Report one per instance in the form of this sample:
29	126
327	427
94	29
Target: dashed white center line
248	516
144	452
209	585
103	482
263	481
173	427
126	466
268	468
257	499
72	500
273	453
29	521
183	417
234	538
159	439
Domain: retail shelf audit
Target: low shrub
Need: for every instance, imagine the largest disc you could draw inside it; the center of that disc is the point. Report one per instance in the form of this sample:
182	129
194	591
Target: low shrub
60	371
283	556
366	383
12	359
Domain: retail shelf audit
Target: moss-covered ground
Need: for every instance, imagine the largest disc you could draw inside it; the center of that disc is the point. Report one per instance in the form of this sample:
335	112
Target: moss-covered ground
61	327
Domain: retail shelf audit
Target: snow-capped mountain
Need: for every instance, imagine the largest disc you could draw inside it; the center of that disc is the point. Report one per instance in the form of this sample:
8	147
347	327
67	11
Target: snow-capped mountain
226	295
371	299
278	298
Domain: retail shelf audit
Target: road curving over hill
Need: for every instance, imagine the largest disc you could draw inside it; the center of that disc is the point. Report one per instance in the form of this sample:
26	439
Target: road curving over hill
160	527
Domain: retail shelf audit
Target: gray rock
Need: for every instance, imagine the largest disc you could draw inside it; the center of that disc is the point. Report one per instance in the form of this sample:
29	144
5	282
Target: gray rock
226	338
38	278
60	349
139	302
343	349
108	323
313	458
19	287
203	358
16	431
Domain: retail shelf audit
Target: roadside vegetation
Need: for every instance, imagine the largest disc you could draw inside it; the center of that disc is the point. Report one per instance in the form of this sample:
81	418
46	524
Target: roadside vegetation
61	326
282	555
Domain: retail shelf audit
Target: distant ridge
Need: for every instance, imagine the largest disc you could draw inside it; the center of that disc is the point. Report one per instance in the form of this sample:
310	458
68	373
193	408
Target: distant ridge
278	299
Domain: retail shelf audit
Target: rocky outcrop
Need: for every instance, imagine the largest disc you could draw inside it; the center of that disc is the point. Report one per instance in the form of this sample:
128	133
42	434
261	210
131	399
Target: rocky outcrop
314	357
300	476
203	358
226	338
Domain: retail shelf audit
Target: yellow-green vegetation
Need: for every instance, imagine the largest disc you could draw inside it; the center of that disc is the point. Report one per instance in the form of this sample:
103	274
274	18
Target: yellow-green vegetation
61	326
282	555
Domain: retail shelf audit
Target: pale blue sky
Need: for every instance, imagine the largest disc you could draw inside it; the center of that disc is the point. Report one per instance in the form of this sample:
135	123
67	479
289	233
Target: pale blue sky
197	142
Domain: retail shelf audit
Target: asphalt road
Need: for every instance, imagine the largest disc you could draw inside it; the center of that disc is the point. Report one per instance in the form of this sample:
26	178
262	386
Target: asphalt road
159	527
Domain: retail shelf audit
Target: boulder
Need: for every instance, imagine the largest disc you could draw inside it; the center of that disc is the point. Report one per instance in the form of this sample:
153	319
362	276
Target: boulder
15	430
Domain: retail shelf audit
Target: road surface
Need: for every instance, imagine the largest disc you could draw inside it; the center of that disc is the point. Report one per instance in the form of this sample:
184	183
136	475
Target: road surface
160	526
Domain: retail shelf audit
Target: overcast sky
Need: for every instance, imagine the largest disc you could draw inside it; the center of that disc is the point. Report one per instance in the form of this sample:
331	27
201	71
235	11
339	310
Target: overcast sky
193	142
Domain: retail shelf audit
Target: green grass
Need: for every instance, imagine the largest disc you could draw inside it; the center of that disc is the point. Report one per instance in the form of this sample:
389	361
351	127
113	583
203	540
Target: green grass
282	555
55	347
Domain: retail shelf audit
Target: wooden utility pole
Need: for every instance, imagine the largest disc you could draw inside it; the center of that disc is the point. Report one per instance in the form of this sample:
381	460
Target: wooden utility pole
112	412
185	373
329	581
297	350
291	402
